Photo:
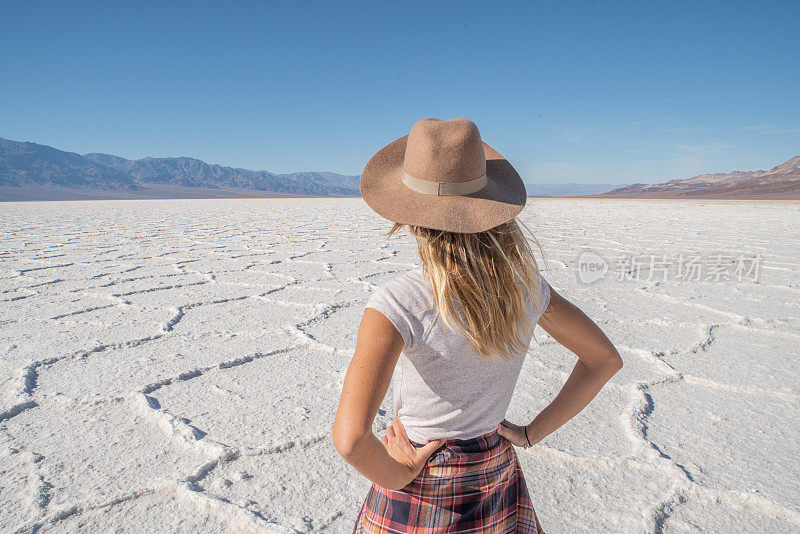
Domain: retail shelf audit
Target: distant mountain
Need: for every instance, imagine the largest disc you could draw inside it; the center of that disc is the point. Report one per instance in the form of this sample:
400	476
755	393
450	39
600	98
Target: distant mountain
190	172
782	181
568	190
38	167
26	164
29	171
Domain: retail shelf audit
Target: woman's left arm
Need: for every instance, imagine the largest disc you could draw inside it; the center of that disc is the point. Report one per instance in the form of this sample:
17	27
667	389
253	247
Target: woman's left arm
365	385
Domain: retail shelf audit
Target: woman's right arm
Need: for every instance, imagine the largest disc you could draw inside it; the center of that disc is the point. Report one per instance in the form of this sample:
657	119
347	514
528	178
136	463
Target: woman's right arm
598	361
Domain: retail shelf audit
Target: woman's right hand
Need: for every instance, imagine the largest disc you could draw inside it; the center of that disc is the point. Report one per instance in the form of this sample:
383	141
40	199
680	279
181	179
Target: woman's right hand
514	433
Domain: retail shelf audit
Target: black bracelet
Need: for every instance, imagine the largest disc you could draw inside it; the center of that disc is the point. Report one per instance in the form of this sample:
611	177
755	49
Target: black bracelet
526	436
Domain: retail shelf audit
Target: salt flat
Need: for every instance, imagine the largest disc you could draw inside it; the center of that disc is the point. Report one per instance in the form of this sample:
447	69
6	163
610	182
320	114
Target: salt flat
175	366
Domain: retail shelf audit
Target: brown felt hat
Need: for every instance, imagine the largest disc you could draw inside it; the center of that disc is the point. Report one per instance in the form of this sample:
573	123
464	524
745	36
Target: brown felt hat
443	176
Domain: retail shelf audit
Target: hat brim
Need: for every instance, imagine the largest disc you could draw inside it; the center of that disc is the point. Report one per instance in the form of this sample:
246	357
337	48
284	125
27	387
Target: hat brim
382	188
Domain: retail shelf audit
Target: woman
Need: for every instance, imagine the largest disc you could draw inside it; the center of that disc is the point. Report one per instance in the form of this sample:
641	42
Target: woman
457	329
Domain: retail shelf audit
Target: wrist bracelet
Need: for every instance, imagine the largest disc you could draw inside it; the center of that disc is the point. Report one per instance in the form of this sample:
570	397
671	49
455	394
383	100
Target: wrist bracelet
526	436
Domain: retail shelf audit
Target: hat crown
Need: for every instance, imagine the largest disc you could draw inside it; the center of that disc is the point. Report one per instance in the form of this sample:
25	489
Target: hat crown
445	150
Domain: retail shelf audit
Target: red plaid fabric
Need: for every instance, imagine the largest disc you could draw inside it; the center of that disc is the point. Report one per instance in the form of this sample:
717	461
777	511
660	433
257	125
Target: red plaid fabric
474	485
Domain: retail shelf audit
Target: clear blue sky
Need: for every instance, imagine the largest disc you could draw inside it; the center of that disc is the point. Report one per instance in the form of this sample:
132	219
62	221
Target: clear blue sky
611	92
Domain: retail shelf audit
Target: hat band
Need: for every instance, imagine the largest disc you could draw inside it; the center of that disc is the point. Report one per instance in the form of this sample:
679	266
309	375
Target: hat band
445	188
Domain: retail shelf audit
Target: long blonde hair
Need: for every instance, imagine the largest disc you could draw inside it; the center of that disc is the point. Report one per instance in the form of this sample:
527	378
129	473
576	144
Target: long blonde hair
490	274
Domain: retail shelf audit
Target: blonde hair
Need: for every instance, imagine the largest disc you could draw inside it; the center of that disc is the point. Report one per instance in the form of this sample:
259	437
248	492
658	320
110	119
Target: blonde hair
490	274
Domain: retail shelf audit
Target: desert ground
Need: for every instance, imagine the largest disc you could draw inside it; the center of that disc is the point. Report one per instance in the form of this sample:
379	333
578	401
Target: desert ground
175	365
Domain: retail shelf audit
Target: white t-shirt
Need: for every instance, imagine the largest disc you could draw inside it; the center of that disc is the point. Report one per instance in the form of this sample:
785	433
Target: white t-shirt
442	386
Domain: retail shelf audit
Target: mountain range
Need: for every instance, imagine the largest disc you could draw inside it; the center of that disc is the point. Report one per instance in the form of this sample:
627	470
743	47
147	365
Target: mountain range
35	167
29	171
780	182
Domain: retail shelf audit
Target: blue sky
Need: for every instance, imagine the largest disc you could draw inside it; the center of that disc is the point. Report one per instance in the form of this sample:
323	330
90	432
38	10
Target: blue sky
611	92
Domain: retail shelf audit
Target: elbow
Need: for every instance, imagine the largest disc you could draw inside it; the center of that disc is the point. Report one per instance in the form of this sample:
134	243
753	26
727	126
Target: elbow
345	442
604	364
614	362
344	447
341	443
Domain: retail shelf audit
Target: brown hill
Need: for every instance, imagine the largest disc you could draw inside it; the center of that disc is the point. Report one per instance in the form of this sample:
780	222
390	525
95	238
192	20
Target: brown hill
780	182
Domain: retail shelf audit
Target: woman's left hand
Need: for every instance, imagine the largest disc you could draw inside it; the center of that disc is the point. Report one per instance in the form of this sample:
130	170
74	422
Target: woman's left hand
399	447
